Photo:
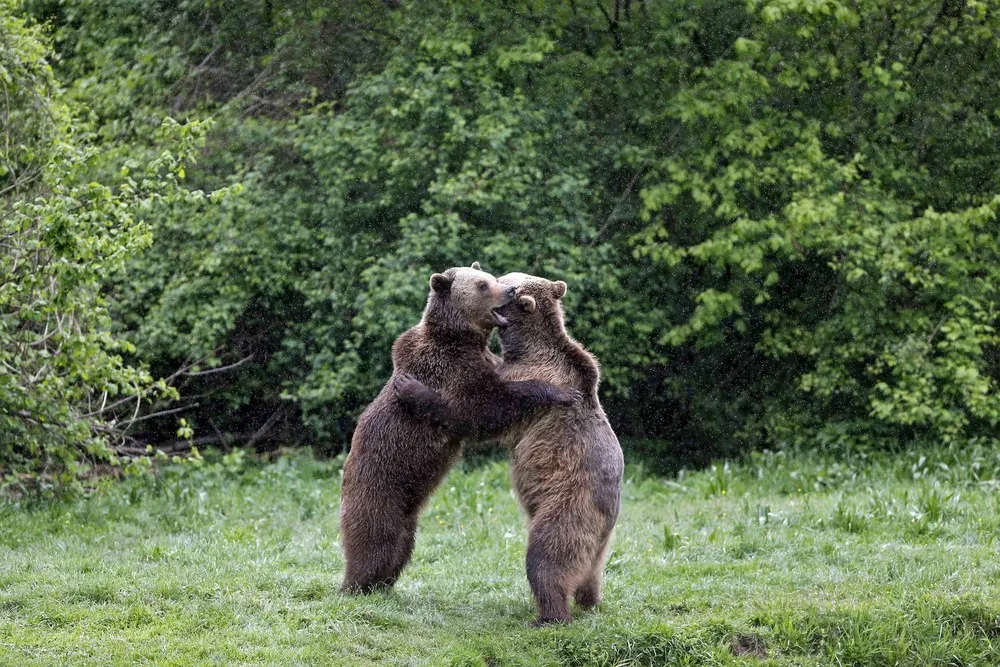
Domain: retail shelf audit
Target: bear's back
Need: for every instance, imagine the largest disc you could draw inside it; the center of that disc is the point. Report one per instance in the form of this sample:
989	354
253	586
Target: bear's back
566	449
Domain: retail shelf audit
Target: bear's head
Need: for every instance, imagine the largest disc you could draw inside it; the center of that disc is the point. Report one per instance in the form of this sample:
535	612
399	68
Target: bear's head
535	315
463	299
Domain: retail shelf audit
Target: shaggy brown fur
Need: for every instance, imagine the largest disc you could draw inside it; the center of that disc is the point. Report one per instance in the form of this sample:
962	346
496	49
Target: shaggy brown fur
398	457
566	464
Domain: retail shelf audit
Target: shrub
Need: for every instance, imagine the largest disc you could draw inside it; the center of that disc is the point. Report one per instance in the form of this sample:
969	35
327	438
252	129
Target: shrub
64	382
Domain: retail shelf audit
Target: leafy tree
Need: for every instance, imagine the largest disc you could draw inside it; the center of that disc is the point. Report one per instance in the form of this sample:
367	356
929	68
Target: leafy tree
777	217
64	385
839	164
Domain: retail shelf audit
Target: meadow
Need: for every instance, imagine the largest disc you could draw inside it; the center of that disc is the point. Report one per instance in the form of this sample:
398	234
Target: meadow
781	559
778	224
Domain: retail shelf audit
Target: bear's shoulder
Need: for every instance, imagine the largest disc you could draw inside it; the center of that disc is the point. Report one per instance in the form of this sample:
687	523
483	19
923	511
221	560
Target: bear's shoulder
437	357
583	363
409	346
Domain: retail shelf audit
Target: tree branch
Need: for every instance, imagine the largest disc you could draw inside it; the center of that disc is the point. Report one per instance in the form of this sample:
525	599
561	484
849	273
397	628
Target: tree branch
928	31
621	200
262	431
220	369
612	24
161	413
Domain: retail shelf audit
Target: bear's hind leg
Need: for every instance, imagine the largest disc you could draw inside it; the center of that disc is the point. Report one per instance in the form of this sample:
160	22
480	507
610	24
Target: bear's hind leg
548	588
555	566
403	548
371	553
588	593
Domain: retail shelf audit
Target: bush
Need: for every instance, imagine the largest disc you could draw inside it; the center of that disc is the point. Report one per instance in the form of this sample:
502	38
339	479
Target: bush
839	192
777	218
64	384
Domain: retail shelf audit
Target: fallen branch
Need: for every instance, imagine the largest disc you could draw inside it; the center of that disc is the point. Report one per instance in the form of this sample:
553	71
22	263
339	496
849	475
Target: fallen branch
175	446
262	431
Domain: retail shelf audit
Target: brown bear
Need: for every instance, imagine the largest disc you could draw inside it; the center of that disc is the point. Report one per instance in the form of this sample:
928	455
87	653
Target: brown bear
397	457
566	463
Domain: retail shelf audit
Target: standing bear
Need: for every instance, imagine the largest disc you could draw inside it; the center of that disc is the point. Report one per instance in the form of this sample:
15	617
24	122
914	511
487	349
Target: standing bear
566	463
397	458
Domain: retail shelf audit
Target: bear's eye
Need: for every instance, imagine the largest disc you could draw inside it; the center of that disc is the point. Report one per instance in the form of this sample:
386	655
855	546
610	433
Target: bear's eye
483	287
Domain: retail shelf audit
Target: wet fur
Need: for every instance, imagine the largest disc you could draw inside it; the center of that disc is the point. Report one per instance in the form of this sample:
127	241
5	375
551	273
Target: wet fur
566	464
397	456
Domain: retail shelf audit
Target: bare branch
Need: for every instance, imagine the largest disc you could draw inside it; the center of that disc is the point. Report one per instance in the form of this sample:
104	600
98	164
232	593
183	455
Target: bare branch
218	434
621	200
262	431
161	413
186	366
220	369
105	408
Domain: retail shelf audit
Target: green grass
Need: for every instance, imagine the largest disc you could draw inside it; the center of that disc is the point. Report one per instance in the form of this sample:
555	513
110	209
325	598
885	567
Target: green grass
786	560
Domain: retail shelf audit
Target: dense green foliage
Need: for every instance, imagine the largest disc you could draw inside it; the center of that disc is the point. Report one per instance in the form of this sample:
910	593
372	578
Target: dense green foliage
777	217
782	560
63	382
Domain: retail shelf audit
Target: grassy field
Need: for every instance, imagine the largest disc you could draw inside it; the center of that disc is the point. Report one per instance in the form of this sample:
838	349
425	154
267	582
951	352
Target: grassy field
795	560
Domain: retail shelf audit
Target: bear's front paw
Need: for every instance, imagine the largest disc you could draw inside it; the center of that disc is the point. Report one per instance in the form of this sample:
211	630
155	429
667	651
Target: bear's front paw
405	387
567	397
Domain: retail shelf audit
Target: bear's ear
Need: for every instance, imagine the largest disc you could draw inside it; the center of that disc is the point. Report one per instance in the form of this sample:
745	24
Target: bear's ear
559	289
441	283
527	303
475	265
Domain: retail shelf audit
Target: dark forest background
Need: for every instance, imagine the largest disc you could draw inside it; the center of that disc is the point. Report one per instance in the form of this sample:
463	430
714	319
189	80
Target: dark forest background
777	219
